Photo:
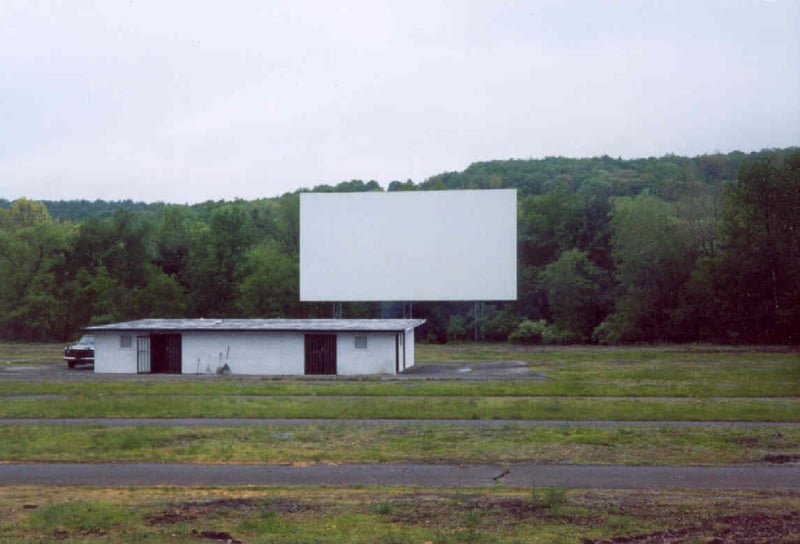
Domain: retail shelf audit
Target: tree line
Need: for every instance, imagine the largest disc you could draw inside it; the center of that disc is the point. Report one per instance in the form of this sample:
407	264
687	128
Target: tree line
669	249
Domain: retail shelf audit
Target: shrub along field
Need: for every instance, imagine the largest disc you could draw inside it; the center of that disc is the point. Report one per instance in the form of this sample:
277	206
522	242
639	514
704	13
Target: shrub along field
656	384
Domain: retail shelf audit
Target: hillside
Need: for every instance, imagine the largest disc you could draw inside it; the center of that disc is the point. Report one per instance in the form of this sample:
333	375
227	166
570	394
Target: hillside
609	250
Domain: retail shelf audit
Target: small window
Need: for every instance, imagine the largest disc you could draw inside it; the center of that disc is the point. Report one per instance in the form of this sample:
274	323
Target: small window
361	342
125	341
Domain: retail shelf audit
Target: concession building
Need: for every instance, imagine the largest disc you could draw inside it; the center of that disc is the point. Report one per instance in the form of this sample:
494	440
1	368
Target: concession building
256	346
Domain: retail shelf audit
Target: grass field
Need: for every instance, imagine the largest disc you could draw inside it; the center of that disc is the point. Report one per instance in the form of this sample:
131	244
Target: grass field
393	515
30	353
667	371
702	383
644	384
335	443
98	404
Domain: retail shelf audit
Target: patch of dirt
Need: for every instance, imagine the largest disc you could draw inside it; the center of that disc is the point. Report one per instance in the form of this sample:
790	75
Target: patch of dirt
228	504
776	440
189	511
521	509
289	506
735	529
780	459
518	509
220	536
63	534
170	517
93	532
747	441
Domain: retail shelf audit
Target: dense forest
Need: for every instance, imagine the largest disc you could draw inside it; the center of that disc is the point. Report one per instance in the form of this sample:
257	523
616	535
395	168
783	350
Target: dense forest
669	249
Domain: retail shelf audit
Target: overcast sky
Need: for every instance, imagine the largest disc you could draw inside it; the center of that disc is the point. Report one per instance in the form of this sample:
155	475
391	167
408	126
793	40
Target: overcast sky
185	101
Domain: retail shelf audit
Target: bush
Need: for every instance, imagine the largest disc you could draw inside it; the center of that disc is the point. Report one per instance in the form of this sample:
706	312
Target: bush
539	332
457	328
610	331
555	335
496	324
528	332
384	508
551	498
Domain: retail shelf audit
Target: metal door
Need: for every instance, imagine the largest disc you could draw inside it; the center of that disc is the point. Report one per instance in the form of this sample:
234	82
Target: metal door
143	354
320	354
165	353
174	345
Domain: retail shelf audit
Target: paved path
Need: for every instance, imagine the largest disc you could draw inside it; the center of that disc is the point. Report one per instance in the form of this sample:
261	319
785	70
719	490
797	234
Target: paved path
515	475
243	422
268	396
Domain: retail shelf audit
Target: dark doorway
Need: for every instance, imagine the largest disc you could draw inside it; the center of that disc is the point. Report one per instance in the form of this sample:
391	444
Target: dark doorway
320	354
165	353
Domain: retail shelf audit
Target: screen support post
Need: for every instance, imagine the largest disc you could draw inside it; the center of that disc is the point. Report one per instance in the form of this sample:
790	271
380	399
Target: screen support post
478	311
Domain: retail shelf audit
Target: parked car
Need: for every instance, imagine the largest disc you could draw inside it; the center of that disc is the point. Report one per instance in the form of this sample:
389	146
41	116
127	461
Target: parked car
80	352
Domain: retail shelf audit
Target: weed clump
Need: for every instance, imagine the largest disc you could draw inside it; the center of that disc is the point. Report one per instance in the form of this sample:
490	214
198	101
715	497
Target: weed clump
551	498
384	508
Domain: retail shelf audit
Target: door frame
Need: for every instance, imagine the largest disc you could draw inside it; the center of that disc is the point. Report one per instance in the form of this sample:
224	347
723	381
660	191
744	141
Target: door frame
143	355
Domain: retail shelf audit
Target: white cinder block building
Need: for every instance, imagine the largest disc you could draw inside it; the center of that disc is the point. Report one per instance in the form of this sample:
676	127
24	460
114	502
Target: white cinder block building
292	347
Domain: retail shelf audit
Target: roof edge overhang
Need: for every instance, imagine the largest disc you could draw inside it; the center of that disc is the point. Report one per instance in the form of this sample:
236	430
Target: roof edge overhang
263	326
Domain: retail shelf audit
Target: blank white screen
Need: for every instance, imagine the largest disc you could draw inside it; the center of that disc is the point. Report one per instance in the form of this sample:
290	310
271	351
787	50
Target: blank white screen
408	246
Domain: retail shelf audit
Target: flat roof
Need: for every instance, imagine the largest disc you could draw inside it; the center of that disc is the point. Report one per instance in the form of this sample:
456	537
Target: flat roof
247	325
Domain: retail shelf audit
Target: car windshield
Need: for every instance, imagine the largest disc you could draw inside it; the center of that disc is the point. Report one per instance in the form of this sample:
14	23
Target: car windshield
87	339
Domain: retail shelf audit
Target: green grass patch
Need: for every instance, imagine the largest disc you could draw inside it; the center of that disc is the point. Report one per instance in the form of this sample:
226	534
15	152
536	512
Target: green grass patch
77	517
658	445
514	408
675	371
697	383
680	370
30	353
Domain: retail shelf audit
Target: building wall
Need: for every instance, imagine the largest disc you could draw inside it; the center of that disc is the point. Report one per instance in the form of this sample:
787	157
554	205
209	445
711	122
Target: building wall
109	357
409	347
276	353
264	353
377	358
